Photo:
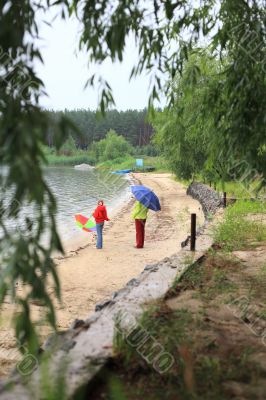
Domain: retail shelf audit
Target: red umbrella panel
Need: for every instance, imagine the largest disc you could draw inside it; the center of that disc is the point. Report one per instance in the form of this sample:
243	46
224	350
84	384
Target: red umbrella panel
85	223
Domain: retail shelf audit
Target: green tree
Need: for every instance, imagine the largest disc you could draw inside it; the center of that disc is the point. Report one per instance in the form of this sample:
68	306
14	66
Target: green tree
112	147
183	133
116	146
69	147
131	124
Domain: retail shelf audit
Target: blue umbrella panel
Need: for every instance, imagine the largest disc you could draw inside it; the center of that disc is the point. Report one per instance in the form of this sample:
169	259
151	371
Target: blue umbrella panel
146	197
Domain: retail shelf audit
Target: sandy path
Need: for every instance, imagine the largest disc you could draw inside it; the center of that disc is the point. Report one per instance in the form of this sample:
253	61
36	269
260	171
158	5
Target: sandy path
89	275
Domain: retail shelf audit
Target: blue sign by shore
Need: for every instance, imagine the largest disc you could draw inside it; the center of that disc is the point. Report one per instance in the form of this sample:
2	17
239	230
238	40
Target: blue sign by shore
139	162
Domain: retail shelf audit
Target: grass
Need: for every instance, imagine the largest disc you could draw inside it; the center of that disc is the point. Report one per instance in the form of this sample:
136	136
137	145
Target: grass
238	231
237	189
129	163
76	157
68	160
168	330
80	157
118	163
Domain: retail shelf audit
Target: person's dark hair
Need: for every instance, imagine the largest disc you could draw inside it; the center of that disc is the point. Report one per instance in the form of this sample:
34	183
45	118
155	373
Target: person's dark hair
100	202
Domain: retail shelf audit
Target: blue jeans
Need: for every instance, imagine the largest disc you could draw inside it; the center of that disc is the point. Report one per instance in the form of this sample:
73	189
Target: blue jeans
99	230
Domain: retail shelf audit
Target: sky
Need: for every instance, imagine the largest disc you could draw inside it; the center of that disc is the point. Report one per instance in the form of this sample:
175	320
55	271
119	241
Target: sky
65	72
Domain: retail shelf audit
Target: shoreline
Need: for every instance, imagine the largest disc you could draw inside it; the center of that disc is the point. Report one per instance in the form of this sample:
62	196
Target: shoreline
88	276
72	246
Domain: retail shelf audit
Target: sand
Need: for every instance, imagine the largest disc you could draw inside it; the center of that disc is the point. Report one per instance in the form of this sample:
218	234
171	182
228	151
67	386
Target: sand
89	275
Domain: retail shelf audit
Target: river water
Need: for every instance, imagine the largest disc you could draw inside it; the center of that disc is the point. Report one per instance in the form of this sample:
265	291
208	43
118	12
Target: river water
77	192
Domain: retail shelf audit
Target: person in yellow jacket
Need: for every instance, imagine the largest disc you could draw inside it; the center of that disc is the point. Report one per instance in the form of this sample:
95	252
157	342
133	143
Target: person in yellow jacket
139	214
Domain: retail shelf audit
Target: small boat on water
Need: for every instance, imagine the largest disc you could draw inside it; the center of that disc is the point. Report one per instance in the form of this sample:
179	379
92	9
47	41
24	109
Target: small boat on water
122	171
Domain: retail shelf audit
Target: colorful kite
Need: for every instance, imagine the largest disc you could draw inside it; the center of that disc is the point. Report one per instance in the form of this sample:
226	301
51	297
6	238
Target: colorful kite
85	223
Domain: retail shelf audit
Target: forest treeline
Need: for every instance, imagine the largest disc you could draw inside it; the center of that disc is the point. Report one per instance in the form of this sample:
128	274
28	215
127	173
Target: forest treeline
132	124
200	135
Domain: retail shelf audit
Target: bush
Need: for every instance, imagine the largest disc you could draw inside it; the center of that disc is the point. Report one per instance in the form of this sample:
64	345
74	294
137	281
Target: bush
148	150
69	147
110	148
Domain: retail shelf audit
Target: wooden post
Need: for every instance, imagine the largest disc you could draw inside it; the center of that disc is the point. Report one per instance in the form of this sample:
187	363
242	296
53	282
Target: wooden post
224	199
193	232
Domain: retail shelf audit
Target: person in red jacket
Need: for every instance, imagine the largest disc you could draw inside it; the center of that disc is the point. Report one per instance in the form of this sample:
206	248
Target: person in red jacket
100	215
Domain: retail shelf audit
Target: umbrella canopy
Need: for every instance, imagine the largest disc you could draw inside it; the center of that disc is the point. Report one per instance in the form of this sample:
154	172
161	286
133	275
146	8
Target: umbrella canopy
146	197
85	223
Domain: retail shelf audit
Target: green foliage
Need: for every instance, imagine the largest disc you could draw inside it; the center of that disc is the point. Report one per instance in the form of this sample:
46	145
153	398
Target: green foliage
72	157
237	189
111	148
148	150
82	158
115	146
195	135
23	128
117	389
130	162
68	148
239	100
118	163
158	326
131	124
238	230
93	154
52	384
183	132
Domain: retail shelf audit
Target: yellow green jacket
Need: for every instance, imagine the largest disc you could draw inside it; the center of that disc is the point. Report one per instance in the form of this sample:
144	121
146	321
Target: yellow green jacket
139	211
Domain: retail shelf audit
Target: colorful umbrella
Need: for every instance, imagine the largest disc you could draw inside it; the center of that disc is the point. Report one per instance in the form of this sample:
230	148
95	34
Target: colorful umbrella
85	223
146	197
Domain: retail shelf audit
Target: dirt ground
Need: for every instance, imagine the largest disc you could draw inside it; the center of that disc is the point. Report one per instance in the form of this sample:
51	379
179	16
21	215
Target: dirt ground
88	275
213	323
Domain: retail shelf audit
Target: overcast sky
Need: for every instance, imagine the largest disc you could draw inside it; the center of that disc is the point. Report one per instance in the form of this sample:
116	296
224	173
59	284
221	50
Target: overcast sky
64	73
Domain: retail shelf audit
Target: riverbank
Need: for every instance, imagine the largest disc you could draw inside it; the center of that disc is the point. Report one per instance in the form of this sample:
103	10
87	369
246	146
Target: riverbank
55	160
127	162
158	163
88	275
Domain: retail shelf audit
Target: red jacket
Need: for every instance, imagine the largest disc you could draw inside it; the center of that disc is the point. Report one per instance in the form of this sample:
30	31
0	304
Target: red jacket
100	214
